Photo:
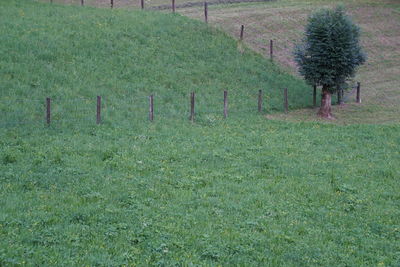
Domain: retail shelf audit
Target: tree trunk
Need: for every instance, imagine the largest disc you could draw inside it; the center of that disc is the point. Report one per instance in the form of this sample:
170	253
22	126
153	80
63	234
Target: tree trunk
325	111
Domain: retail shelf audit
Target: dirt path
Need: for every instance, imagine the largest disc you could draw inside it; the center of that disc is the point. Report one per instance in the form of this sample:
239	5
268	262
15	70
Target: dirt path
215	2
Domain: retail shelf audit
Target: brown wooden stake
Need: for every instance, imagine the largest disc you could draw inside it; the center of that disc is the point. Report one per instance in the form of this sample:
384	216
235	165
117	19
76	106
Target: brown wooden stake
271	49
241	32
151	108
225	104
315	96
206	12
82	3
112	3
173	6
142	4
192	102
259	100
358	97
342	96
98	111
48	110
339	96
285	102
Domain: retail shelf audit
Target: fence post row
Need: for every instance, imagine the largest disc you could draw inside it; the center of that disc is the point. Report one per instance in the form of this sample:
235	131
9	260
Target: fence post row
285	102
151	107
241	32
225	104
192	96
271	49
192	103
358	97
206	12
98	110
259	100
48	110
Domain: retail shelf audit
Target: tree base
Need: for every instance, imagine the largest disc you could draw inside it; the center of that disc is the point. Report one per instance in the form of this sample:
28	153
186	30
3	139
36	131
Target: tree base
325	111
326	117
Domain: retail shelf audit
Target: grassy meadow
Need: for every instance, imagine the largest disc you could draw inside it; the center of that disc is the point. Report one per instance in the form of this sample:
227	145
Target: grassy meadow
284	20
72	54
244	191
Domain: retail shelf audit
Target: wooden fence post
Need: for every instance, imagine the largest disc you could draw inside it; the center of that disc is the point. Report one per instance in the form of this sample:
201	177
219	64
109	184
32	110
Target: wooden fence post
192	101
206	12
271	49
241	32
285	101
339	95
259	100
82	3
112	3
173	6
314	95
151	108
358	97
48	110
142	4
225	104
98	110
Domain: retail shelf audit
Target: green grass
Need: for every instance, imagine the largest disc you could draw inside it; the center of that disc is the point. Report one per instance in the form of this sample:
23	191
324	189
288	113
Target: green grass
243	191
72	54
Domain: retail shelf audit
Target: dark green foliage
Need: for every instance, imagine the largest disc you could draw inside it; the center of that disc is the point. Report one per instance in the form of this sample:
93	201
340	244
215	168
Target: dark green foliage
330	51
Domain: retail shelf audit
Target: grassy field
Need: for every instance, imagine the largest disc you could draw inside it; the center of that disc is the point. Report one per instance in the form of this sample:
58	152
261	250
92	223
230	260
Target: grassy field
72	54
284	21
241	192
244	191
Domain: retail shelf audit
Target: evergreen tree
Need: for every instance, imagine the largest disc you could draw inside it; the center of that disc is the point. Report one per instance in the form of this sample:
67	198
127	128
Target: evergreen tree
330	53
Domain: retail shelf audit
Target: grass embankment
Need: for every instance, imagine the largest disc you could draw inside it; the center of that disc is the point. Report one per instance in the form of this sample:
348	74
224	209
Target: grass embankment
284	22
72	54
241	191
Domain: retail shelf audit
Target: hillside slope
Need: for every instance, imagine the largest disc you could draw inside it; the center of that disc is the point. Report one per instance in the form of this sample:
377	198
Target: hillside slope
73	54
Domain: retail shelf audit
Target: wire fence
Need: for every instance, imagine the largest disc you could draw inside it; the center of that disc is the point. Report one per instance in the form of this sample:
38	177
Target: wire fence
139	109
58	110
151	4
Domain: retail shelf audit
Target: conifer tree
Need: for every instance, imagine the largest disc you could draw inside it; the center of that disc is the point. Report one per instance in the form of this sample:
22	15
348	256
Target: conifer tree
329	53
